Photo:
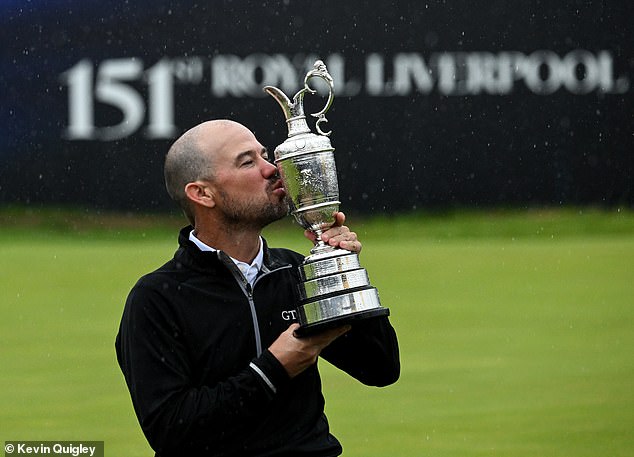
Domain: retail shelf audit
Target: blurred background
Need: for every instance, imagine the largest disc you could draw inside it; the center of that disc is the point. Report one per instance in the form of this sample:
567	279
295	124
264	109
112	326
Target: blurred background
442	103
485	154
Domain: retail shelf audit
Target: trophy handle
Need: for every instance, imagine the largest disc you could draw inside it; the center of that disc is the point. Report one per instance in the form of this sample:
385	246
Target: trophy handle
294	110
320	71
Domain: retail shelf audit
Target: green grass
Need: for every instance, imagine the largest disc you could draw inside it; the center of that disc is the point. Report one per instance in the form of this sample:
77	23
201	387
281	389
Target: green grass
516	331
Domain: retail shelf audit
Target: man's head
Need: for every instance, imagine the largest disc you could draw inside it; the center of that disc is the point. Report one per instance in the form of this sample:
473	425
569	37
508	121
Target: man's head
220	168
185	162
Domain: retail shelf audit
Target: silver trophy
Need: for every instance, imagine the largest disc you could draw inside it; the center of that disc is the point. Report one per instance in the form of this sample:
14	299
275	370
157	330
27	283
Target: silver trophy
334	289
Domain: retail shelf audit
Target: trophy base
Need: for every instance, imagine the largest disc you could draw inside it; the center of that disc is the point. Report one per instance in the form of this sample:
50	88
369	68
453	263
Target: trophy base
316	327
339	309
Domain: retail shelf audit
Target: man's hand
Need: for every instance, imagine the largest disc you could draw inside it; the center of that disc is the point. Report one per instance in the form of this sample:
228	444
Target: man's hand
338	235
297	354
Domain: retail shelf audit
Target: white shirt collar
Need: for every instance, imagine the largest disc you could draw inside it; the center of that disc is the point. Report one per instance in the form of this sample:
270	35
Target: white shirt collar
250	272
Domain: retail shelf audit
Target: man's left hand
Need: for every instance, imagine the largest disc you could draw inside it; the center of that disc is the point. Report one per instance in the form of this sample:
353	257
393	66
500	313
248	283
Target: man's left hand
338	235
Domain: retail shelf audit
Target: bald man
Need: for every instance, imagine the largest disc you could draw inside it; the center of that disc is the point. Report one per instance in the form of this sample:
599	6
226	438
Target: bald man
207	343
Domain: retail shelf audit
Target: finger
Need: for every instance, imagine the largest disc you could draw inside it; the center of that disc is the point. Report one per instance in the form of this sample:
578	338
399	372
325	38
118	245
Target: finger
291	328
340	218
353	246
338	233
342	237
310	235
337	332
328	336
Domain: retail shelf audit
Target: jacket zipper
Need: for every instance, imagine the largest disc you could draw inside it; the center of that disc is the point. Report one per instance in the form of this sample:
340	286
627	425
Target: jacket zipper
247	290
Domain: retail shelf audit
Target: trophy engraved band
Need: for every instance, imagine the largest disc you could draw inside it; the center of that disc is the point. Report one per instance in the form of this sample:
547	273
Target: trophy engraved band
334	288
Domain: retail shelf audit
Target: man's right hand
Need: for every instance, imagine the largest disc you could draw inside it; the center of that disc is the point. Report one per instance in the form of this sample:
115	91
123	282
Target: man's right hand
297	354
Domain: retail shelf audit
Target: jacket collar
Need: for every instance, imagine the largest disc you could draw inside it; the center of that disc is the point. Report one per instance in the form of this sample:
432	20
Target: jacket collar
191	256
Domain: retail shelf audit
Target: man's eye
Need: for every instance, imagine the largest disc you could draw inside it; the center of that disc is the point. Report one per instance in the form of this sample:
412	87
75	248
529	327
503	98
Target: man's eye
247	163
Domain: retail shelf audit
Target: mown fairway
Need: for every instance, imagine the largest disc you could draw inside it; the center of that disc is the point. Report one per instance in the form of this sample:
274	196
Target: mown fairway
516	333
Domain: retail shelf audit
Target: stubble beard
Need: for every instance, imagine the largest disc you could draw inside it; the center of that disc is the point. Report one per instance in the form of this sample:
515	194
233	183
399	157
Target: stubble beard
252	214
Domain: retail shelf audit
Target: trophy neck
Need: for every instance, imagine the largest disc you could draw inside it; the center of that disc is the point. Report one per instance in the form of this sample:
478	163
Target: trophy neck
297	125
320	248
322	251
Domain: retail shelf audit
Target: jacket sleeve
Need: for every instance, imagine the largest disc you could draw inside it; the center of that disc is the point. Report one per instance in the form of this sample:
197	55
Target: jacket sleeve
368	352
173	413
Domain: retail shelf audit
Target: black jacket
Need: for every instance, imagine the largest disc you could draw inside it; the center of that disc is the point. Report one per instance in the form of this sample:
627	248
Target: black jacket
193	348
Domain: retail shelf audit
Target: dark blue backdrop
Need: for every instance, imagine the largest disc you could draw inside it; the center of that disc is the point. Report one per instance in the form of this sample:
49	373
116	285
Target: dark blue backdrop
438	103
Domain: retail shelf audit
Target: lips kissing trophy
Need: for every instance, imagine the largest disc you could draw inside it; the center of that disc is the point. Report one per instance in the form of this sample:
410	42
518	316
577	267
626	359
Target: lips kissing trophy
334	290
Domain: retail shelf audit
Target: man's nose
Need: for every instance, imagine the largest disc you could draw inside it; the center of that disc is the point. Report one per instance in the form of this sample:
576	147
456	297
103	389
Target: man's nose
268	169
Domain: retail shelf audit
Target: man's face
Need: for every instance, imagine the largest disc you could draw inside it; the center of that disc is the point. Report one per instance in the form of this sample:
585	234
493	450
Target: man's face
247	188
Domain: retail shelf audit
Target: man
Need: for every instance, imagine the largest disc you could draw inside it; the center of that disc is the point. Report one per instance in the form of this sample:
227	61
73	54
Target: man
206	342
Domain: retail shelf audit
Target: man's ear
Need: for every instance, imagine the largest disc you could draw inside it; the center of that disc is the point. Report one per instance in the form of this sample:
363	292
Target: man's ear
201	193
